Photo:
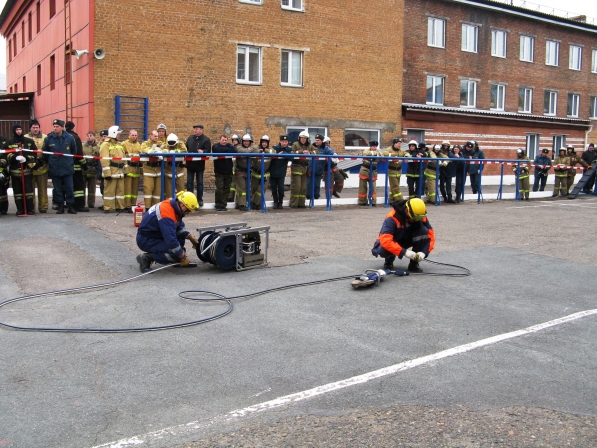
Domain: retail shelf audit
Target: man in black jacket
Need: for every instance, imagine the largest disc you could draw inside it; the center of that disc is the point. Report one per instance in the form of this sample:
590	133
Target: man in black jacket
223	172
21	165
589	156
197	143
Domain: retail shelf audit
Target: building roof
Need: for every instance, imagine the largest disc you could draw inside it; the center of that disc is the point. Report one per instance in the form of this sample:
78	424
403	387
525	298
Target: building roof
7	7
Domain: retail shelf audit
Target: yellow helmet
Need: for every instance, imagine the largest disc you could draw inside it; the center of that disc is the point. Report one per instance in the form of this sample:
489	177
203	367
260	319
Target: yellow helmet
415	209
189	200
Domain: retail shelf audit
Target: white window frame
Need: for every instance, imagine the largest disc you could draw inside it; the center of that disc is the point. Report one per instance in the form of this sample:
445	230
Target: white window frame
594	61
559	141
552	53
290	6
436	32
312	130
532	145
526	94
470	35
434	85
248	49
527	44
471	93
289	82
593	107
494	43
573	107
552	103
252	2
575	60
500	96
360	129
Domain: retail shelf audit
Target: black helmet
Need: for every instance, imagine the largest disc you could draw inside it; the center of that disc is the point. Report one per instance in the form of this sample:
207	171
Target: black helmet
396	140
470	144
422	145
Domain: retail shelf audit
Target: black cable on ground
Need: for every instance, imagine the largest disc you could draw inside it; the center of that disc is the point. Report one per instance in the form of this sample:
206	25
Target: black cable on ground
209	296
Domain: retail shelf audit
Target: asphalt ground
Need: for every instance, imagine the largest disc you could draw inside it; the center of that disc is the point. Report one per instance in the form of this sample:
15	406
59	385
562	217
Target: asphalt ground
405	363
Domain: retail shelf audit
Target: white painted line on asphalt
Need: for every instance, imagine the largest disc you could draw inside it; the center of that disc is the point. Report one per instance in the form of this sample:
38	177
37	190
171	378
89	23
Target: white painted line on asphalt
180	430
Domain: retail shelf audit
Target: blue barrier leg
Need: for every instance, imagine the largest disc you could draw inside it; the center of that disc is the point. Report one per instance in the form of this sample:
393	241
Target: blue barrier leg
262	186
499	195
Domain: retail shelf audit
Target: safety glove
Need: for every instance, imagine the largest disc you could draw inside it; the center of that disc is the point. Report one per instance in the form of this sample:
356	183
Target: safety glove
21	159
193	239
185	261
411	255
420	256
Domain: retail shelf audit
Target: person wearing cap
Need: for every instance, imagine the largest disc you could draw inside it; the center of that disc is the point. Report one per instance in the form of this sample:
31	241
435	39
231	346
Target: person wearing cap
112	153
80	165
197	143
132	170
277	170
575	159
522	171
152	170
162	233
241	171
560	167
61	168
223	172
542	164
4	177
40	173
21	164
395	168
173	145
103	134
473	152
91	152
162	133
457	169
369	166
319	166
299	169
413	170
405	226
589	156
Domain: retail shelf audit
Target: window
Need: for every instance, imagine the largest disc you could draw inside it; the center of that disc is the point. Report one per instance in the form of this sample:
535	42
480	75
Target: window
14	44
52	4
551	103
248	64
24	83
532	145
573	104
469	38
435	90
37	18
498	97
359	138
575	57
552	53
526	48
294	131
39	79
498	43
525	100
254	2
52	72
23	34
594	62
30	26
559	141
593	107
9	50
435	32
291	73
296	5
468	93
68	68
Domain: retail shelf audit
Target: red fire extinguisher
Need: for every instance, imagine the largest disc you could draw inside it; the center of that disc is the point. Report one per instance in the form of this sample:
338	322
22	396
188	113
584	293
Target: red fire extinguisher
138	214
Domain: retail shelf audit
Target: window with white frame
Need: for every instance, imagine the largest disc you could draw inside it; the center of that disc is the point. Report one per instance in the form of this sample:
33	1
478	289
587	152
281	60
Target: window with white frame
575	57
498	97
253	2
248	64
291	70
559	141
498	43
435	90
295	5
468	93
551	103
593	107
552	53
436	32
532	146
294	131
469	37
359	138
525	100
594	61
526	48
573	104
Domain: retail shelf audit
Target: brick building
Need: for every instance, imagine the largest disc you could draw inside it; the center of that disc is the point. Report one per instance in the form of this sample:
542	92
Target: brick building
258	66
505	76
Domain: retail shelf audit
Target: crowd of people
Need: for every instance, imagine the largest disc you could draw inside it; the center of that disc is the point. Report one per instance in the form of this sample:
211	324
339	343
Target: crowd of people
74	179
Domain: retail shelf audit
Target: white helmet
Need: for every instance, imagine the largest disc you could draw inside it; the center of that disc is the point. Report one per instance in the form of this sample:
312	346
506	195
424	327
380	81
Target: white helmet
304	134
413	142
235	137
161	126
265	137
247	137
437	147
113	131
172	139
326	140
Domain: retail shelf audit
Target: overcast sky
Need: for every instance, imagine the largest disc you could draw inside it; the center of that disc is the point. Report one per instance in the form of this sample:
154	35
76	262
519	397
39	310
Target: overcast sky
575	7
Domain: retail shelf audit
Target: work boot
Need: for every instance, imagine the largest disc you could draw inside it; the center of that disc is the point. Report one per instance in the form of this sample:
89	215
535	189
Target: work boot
71	210
59	209
82	209
145	261
275	197
389	263
335	194
55	205
413	266
450	200
280	205
445	198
